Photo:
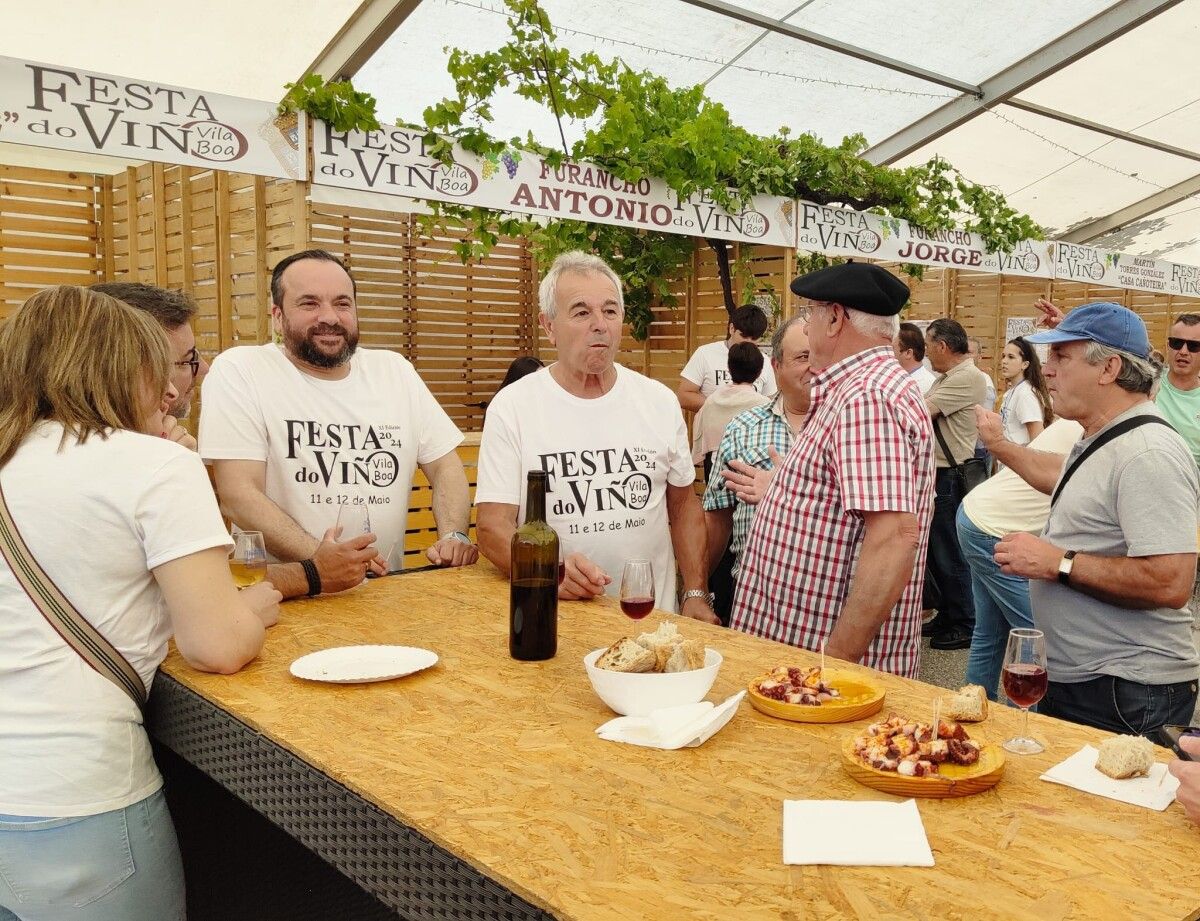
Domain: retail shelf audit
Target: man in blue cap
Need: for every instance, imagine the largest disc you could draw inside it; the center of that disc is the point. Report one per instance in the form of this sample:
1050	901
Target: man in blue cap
1111	575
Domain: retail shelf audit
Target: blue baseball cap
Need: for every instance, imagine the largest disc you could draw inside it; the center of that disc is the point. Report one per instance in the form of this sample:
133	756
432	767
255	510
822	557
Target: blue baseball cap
1107	323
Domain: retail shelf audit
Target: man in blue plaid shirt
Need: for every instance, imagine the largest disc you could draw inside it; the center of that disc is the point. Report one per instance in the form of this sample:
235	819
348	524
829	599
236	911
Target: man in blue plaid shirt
744	461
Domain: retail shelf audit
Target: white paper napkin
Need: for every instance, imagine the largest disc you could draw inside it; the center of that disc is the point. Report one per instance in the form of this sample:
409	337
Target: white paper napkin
672	727
854	834
1079	771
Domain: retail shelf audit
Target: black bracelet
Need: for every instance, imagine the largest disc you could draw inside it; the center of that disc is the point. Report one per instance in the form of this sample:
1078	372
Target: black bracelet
314	577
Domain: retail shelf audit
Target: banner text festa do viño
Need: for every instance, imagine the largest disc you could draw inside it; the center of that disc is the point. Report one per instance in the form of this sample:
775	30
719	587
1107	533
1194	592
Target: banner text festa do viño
69	109
846	232
393	161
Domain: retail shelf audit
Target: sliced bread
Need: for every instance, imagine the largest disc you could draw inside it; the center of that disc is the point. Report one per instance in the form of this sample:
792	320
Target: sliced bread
968	705
666	635
685	657
1125	756
627	655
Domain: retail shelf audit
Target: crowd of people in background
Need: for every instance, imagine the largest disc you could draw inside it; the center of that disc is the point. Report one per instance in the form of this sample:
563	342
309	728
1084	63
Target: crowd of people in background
855	476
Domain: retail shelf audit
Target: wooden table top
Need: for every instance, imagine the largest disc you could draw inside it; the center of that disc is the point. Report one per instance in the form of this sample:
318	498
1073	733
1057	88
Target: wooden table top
498	762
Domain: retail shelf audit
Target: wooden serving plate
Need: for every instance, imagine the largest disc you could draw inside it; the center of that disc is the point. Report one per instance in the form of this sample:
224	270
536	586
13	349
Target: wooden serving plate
859	699
951	781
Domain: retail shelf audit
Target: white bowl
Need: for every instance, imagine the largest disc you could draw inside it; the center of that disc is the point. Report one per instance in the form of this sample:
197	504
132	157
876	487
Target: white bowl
636	694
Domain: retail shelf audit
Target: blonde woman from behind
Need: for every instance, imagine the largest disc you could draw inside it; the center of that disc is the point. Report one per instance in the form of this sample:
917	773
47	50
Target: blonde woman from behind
124	523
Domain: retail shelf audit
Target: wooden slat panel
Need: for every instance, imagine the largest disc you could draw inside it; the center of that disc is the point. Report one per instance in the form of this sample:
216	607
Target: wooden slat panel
50	231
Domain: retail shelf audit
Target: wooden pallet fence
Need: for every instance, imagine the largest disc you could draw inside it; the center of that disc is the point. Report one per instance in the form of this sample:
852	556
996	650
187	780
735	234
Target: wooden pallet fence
50	227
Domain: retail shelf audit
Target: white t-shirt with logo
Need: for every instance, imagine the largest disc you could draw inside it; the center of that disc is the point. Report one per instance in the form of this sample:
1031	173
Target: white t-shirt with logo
1020	406
708	368
356	441
610	460
97	517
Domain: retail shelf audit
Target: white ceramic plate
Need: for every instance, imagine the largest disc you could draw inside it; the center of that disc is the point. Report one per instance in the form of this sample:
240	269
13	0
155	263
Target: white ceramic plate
357	664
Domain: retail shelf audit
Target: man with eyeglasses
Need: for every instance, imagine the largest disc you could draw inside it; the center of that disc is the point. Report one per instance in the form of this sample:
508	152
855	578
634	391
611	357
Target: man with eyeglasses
174	311
1179	392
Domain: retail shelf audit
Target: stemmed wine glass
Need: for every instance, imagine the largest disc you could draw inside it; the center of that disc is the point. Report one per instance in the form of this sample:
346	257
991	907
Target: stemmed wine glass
637	589
1025	678
248	562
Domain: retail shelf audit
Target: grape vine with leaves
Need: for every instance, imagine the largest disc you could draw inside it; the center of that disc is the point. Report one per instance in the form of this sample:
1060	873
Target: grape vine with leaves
636	125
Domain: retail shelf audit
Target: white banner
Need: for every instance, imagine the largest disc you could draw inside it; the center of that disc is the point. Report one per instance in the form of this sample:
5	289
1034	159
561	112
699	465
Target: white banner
1023	328
847	232
394	161
1092	265
61	107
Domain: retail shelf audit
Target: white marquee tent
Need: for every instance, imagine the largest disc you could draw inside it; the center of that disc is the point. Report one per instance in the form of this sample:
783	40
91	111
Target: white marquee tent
1079	110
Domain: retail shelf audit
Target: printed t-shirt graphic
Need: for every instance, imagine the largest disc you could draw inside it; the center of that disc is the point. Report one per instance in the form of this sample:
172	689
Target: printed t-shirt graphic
708	368
327	443
609	459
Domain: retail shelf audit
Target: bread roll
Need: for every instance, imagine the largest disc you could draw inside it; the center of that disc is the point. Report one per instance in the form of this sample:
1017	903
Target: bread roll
666	635
685	657
968	705
694	650
1125	756
626	655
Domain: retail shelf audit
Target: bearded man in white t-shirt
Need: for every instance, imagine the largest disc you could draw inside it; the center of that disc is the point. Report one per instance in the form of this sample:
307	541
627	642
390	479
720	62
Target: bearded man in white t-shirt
297	432
615	447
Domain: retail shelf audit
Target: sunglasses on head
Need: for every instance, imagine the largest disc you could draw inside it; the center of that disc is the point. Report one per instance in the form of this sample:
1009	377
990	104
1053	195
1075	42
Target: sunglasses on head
1193	345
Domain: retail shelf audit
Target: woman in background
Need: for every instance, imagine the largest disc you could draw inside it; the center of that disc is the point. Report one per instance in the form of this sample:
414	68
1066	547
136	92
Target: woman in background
1025	410
125	524
526	364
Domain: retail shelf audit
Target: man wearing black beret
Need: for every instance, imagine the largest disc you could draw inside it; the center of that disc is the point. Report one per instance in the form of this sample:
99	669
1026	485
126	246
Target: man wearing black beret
836	553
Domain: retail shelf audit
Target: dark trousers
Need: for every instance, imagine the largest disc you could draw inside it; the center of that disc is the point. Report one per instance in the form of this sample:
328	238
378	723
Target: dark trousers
1121	706
721	583
956	608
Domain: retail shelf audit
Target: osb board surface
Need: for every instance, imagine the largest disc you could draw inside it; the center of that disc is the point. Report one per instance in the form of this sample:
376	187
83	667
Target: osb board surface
497	761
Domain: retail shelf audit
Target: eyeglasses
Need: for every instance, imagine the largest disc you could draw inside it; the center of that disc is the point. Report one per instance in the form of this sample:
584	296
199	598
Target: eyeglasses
1193	345
192	361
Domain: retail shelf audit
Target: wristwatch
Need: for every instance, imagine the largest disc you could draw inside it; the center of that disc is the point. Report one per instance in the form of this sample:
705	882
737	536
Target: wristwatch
458	536
709	598
1064	567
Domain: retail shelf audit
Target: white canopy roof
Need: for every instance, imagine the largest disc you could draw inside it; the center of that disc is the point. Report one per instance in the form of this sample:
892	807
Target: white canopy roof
1081	111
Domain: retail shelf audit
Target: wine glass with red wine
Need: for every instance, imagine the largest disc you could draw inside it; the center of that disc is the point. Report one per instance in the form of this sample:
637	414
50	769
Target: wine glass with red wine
1024	679
637	589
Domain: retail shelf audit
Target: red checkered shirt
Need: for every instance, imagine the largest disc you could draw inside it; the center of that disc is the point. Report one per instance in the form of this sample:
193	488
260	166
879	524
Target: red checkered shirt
867	447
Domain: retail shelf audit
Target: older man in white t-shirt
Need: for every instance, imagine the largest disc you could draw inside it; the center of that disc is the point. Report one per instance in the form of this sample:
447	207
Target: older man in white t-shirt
613	442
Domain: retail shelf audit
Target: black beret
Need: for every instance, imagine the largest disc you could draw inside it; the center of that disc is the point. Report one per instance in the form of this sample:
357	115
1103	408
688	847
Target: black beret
859	285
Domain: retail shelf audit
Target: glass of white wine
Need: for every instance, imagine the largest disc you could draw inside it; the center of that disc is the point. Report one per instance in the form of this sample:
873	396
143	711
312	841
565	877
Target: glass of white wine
248	562
353	518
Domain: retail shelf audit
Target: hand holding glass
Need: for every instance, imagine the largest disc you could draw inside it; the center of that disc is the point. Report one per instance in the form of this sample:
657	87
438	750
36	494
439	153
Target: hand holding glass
248	562
1025	679
354	519
637	589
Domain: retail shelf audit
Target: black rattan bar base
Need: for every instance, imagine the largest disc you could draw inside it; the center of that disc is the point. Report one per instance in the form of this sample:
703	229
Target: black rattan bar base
396	864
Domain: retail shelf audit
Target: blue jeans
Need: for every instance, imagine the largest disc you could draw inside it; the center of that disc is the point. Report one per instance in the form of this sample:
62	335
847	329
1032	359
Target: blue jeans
1001	604
121	865
1119	705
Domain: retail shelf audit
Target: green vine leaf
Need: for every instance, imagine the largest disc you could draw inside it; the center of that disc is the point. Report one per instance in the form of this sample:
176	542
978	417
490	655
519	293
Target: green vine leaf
336	102
638	125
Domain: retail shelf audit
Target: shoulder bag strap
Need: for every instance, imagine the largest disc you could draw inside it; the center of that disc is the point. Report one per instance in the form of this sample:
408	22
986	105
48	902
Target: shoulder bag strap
937	430
1115	432
80	635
